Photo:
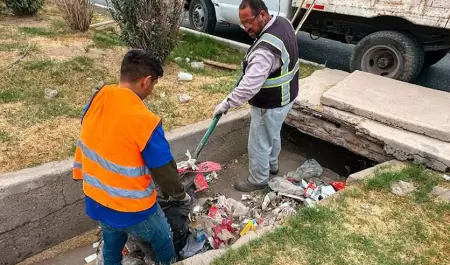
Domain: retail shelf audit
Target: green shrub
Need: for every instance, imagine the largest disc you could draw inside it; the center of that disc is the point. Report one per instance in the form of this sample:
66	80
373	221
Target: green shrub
149	24
24	7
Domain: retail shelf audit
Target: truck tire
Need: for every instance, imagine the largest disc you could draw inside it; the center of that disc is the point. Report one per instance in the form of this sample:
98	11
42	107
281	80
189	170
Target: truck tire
433	57
202	16
389	53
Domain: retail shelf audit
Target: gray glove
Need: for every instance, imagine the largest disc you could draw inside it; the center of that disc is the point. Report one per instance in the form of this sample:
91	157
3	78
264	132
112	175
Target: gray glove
222	108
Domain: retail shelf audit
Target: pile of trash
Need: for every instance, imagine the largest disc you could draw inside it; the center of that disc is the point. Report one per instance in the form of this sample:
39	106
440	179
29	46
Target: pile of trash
304	185
217	222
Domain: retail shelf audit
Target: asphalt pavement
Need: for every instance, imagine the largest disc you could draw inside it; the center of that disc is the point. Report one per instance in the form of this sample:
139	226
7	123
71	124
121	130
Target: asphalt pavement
335	55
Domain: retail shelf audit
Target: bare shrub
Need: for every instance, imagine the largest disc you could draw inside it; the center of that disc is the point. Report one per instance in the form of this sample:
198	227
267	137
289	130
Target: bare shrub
149	24
78	13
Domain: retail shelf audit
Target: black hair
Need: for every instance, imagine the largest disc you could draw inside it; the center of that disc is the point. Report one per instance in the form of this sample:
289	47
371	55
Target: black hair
138	63
255	5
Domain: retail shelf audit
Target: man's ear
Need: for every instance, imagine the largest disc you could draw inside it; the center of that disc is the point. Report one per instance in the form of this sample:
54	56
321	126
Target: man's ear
147	80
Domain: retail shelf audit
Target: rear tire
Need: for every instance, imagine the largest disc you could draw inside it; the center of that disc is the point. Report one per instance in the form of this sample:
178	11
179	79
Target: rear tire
202	16
389	53
433	57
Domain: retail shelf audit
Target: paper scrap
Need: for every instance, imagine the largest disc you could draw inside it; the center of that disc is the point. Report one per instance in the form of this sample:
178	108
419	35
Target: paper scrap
90	258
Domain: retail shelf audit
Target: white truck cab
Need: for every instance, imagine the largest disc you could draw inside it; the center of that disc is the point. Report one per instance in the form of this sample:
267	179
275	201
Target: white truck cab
393	38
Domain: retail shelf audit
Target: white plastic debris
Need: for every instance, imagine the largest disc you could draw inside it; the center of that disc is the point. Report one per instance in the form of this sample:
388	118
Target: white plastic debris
279	184
90	258
295	197
182	76
211	176
269	199
50	93
188	60
190	163
327	191
95	245
246	197
309	202
446	177
184	98
178	59
236	208
198	65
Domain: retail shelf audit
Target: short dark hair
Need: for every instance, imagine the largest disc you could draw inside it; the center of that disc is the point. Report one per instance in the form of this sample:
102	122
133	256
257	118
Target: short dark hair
138	63
255	5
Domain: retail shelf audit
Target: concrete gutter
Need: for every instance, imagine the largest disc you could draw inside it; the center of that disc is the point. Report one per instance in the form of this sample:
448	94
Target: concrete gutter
42	206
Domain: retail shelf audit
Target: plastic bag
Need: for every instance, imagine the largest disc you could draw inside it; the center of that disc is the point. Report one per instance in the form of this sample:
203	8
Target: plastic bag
310	169
236	208
279	184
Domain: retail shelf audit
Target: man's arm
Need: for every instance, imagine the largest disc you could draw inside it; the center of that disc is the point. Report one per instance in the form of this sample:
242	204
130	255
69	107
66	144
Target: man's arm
261	63
159	160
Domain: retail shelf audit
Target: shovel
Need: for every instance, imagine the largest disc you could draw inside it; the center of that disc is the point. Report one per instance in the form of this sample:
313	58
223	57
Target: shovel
188	178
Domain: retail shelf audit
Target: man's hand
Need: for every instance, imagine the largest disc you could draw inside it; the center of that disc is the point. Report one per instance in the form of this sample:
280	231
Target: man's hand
222	108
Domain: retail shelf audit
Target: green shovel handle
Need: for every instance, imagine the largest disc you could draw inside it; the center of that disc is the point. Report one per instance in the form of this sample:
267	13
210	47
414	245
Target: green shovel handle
207	135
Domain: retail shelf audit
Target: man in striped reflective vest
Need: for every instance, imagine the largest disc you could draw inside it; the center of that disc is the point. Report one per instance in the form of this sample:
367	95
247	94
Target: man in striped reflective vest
121	151
269	83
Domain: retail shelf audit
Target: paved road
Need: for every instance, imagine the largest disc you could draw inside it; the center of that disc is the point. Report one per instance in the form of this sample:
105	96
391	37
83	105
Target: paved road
336	55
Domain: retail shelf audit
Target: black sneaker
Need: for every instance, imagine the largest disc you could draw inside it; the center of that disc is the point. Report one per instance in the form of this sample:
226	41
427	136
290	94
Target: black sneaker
274	172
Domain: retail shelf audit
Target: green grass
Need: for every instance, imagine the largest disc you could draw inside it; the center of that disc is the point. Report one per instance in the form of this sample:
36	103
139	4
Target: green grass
37	31
405	232
222	87
425	179
36	76
107	38
198	47
307	70
5	137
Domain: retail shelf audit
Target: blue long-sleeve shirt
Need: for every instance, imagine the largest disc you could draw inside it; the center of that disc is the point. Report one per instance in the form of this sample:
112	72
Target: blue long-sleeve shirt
156	154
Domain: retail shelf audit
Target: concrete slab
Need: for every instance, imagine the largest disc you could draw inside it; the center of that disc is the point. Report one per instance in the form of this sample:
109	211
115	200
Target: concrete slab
398	104
374	140
312	87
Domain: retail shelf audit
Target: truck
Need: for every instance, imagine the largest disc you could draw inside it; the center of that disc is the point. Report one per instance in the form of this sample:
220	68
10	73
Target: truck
392	38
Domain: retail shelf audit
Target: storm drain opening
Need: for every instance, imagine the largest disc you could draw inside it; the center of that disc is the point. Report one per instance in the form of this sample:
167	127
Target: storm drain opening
310	170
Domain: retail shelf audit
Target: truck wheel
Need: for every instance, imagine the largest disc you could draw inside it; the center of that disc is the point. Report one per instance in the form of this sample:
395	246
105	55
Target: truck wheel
389	53
433	57
202	16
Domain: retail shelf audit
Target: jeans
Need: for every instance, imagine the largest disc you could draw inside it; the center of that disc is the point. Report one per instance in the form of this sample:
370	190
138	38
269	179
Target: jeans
264	142
154	230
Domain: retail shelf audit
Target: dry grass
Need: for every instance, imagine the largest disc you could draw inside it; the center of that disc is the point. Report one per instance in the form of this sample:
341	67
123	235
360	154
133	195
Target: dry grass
34	129
364	225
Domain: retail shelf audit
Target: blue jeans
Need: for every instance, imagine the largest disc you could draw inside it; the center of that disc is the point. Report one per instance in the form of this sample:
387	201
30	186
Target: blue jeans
264	142
154	230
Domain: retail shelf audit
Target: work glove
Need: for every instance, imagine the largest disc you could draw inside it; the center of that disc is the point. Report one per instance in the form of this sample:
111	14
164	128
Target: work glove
222	108
186	200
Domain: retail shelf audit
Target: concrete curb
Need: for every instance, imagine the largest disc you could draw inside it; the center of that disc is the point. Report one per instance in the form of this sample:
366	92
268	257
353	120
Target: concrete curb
238	45
42	206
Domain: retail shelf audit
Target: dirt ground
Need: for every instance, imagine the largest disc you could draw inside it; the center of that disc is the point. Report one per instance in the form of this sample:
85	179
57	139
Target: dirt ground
35	129
290	160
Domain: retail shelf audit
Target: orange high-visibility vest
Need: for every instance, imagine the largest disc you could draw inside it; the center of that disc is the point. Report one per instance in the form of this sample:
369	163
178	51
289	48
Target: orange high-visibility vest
115	129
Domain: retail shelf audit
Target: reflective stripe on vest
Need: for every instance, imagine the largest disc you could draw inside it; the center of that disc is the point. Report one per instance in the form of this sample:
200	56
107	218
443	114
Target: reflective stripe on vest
122	170
286	76
131	172
117	192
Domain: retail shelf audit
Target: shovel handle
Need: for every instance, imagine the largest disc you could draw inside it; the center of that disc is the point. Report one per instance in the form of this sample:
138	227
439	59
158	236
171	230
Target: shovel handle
207	135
